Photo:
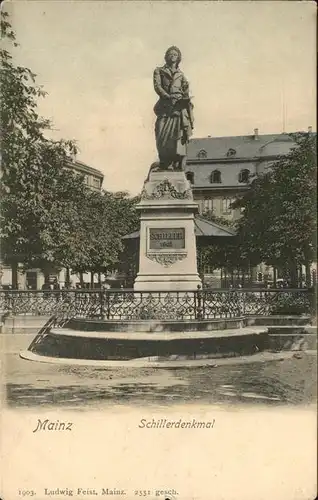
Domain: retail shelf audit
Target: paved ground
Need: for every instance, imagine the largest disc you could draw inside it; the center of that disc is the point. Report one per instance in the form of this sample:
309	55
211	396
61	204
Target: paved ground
279	379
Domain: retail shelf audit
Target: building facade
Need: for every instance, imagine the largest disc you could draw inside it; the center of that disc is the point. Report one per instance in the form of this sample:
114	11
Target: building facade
93	178
220	170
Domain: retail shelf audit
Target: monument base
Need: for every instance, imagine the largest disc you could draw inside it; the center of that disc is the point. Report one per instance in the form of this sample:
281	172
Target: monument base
168	282
168	259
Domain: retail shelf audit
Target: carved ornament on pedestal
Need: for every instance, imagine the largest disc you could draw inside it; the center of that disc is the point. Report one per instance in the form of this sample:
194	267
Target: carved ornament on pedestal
166	259
165	190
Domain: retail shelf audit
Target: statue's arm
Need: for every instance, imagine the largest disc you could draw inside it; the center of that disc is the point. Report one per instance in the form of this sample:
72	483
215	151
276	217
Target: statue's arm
185	86
157	84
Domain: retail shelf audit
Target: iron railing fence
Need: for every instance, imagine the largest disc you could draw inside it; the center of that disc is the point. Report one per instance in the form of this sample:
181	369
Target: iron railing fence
132	305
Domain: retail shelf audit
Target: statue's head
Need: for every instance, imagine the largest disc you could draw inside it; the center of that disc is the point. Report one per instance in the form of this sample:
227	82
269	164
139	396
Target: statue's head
173	54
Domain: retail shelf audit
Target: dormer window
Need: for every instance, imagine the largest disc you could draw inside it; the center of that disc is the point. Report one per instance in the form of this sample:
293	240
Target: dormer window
231	152
202	154
215	177
190	177
96	182
244	176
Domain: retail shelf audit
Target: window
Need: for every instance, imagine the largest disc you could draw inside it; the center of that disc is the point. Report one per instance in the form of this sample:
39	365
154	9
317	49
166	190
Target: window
31	280
215	177
244	175
226	202
207	205
207	269
231	152
190	177
201	206
96	182
202	154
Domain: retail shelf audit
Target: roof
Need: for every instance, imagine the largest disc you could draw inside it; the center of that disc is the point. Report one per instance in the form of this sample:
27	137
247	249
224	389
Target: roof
82	167
244	146
229	174
202	227
131	236
230	156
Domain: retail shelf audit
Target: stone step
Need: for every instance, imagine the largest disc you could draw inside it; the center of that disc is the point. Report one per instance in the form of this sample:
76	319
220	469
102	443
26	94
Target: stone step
25	319
31	330
23	324
292	338
277	320
288	329
311	329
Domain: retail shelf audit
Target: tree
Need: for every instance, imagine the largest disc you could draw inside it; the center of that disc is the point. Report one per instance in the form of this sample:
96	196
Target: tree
278	223
40	198
223	253
49	218
105	219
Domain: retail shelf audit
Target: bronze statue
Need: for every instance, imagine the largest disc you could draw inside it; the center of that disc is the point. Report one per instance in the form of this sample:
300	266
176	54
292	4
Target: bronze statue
174	122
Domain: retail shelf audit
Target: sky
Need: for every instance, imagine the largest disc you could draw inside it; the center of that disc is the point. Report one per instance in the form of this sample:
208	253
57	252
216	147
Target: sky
249	65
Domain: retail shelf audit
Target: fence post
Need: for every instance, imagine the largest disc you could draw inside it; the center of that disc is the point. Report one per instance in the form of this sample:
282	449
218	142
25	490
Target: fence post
242	303
101	309
203	295
312	301
199	302
107	304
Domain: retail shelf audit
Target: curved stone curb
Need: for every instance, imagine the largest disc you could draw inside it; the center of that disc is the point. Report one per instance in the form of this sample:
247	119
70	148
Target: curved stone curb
166	336
146	363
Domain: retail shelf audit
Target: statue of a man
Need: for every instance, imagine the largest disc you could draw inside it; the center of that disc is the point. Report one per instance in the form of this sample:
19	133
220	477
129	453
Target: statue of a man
174	122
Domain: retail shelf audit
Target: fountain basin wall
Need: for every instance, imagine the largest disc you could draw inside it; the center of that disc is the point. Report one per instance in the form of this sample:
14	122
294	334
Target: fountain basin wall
70	344
152	326
96	339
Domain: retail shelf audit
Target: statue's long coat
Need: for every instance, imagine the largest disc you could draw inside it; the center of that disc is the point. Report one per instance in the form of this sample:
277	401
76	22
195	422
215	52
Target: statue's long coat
174	116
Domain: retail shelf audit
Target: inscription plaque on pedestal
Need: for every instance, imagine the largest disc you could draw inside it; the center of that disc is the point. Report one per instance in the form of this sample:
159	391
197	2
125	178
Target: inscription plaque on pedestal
166	238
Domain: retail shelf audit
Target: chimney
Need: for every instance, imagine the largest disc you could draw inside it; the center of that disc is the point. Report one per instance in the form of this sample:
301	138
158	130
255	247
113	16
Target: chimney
309	130
256	134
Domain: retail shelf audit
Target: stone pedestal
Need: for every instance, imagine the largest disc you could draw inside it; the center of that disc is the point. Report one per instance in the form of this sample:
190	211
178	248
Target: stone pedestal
167	240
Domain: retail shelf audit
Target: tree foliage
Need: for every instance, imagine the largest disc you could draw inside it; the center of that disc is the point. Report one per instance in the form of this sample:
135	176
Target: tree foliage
34	180
49	218
222	253
278	223
106	218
